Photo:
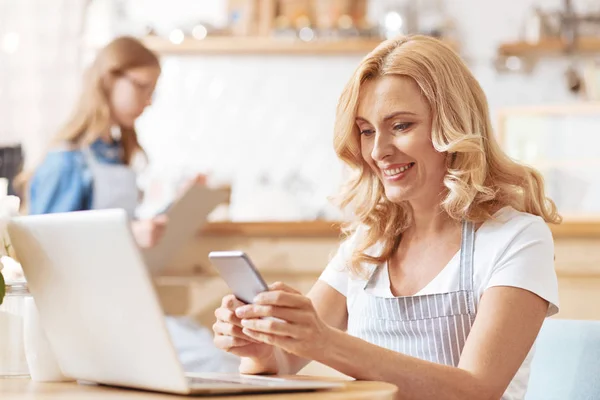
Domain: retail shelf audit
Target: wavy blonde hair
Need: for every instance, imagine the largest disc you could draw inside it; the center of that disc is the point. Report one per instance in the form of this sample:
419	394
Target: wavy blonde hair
91	116
480	176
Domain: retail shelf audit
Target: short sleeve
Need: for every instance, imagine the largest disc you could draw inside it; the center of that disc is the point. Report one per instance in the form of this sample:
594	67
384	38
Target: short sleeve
528	263
60	184
337	274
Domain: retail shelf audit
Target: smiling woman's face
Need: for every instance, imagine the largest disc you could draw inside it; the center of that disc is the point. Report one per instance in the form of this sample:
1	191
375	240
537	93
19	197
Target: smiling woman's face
394	121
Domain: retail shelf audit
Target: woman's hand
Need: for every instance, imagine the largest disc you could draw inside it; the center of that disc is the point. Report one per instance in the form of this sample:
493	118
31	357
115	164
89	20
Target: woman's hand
199	179
285	318
148	232
229	337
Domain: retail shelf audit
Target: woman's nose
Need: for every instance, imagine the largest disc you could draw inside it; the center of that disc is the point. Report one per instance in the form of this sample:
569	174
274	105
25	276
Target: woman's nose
382	147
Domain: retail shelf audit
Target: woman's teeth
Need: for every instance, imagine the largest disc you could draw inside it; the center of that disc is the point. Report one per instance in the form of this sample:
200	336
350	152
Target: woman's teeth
396	171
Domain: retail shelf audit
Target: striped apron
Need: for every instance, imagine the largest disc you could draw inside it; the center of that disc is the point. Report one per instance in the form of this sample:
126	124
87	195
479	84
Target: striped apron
431	327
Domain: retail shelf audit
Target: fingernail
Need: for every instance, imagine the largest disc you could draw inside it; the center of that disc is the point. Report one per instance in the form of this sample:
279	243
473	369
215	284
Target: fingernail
245	322
239	312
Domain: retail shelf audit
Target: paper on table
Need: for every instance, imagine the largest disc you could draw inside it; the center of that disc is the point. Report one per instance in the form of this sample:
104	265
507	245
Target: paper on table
185	217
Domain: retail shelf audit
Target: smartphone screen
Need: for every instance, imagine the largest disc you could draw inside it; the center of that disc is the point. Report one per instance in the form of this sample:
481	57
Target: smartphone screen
240	274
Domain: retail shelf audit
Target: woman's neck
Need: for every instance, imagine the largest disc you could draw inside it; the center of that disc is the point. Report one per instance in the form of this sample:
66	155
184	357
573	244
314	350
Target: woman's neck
106	138
429	219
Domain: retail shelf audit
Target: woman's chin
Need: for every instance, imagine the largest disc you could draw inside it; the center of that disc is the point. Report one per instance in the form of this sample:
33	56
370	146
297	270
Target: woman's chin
128	124
127	121
397	195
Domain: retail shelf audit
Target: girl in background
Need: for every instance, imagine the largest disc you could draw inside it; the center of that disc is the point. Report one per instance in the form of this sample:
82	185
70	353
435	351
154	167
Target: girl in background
92	164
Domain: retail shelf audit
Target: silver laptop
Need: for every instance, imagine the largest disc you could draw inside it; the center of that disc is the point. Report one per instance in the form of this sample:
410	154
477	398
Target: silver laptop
101	313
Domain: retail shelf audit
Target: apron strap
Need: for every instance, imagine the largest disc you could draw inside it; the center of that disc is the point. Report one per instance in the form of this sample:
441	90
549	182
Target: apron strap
467	249
373	270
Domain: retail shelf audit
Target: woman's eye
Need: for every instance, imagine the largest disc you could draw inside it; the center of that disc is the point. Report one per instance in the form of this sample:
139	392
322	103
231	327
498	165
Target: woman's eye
366	132
403	126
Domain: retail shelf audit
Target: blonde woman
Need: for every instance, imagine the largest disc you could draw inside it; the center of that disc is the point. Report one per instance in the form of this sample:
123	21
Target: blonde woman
448	274
90	166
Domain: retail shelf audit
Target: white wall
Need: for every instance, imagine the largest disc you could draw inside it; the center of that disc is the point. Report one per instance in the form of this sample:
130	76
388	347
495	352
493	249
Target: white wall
252	120
39	68
265	122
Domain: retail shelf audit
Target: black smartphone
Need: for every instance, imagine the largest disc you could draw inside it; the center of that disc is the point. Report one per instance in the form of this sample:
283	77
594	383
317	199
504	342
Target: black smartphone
240	274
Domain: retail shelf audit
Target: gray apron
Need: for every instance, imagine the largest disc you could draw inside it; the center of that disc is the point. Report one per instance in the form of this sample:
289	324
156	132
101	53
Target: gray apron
431	327
114	185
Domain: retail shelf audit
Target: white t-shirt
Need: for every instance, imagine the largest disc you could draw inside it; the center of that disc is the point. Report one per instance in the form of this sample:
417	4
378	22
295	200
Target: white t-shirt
513	249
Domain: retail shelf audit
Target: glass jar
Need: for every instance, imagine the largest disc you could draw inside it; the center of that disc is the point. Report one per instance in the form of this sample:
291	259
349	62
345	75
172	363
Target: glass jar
13	363
43	365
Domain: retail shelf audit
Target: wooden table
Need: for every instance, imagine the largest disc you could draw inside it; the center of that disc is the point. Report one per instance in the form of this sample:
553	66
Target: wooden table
25	389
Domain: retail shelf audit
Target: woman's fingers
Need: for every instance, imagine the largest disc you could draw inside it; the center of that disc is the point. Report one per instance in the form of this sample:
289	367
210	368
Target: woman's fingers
283	287
224	328
229	342
260	336
227	315
226	312
291	315
160	220
282	299
231	302
227	329
271	326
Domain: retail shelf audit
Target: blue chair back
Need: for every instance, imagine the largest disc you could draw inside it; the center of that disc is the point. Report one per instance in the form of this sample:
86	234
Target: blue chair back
566	364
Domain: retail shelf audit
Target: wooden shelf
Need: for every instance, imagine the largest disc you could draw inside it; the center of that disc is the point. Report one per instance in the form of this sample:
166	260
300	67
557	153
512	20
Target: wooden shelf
274	228
259	45
549	47
572	227
577	228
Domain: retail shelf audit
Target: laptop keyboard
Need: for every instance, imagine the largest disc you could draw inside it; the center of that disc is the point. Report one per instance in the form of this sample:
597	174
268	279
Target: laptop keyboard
204	381
242	380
